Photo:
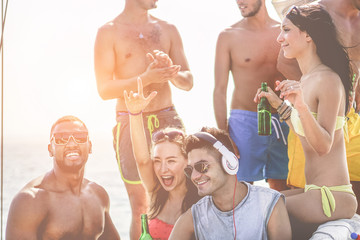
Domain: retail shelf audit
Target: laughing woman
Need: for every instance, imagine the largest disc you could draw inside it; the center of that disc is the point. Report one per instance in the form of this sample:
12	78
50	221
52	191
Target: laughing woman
320	101
162	171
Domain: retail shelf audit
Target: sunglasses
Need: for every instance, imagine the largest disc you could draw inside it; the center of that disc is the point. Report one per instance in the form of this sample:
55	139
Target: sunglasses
201	167
294	10
64	138
161	135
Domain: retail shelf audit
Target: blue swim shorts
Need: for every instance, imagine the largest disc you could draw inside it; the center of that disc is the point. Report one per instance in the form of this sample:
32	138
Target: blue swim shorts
261	157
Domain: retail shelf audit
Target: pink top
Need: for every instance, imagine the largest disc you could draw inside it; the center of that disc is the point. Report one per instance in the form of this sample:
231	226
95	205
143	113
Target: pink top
159	230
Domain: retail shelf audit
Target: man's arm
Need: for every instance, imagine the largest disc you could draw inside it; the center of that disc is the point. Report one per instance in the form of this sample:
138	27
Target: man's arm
279	224
184	78
26	214
110	231
184	227
288	67
104	63
357	97
222	68
356	86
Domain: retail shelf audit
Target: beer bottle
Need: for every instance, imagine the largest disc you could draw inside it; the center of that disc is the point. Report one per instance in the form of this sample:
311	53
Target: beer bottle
264	114
145	234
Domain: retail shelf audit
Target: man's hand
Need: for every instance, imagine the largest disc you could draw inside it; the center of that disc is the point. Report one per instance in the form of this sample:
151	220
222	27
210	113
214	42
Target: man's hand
163	59
160	68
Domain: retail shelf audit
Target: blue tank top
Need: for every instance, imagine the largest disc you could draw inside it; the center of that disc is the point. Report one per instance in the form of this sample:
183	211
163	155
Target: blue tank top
251	216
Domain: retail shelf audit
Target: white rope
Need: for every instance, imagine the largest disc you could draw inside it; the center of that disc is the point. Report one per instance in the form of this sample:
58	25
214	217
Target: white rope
275	122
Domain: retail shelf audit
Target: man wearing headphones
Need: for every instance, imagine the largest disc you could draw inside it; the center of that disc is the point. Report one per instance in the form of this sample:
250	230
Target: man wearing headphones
230	209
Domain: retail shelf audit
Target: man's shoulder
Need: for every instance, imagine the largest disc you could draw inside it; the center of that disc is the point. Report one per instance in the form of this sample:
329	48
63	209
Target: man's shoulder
93	185
235	29
242	30
31	197
263	191
163	24
108	27
35	188
203	201
230	34
97	189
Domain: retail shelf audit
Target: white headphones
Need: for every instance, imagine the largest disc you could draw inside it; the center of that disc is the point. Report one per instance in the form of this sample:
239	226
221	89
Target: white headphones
230	162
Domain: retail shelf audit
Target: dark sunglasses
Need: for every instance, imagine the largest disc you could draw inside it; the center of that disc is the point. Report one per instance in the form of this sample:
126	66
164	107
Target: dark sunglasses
161	135
64	138
201	167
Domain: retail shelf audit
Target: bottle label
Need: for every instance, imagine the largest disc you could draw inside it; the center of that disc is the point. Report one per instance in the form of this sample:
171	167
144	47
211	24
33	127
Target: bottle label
264	122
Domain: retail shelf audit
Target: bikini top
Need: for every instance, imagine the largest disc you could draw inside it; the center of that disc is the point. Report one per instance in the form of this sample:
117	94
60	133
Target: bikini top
295	121
159	229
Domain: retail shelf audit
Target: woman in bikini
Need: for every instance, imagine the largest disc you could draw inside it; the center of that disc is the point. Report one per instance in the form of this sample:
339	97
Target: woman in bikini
319	102
162	170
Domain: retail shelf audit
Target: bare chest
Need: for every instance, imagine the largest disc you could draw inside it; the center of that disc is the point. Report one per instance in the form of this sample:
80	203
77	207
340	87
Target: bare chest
254	50
131	46
349	33
73	218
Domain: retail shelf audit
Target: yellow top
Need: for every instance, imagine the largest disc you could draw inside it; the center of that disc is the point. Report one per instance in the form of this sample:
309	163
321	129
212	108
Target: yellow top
295	121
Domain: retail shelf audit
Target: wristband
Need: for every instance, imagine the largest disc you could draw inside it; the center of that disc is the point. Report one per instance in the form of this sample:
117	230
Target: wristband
134	114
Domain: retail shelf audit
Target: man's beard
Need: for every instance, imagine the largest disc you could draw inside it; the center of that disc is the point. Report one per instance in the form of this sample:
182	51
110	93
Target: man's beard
256	6
69	169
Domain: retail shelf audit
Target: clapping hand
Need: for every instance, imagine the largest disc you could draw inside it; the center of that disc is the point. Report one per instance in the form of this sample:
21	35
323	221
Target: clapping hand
162	59
161	68
136	102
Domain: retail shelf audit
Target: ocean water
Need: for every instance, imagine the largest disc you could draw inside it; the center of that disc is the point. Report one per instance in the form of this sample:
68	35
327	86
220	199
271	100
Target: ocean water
27	159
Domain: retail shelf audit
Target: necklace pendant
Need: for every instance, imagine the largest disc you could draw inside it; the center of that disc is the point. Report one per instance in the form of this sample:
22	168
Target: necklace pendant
141	36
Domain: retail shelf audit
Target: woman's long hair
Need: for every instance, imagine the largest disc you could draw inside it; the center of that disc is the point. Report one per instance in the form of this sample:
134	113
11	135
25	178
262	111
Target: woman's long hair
317	22
160	195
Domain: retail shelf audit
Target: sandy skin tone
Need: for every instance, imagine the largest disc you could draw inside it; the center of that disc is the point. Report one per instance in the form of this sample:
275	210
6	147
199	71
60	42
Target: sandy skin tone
220	186
166	164
248	49
62	204
321	91
135	44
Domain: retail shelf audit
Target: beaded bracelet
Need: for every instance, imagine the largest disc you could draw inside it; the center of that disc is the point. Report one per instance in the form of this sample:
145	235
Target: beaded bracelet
281	108
286	114
284	111
285	119
134	114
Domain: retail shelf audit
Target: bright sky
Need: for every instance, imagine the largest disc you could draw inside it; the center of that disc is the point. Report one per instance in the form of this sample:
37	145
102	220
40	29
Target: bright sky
48	66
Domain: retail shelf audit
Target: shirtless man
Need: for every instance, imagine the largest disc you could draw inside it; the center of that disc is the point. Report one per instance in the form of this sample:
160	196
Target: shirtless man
346	16
62	204
249	50
124	51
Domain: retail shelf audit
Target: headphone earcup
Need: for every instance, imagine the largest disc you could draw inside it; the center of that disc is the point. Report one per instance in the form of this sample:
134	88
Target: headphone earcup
229	161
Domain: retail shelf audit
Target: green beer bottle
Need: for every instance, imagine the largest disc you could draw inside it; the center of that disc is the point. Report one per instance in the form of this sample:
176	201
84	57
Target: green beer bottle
264	114
145	234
